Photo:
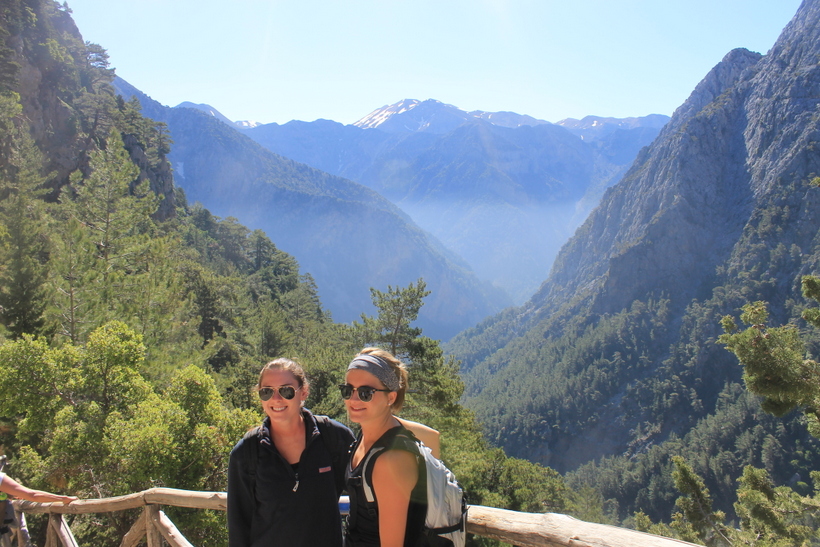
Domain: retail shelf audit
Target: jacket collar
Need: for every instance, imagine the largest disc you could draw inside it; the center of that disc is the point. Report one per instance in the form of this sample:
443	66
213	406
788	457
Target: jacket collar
311	428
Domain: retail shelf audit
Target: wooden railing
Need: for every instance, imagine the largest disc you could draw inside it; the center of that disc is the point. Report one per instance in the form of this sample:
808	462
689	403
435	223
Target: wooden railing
515	528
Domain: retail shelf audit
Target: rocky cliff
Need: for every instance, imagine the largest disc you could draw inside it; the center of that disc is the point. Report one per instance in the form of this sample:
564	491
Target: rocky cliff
747	130
677	212
67	101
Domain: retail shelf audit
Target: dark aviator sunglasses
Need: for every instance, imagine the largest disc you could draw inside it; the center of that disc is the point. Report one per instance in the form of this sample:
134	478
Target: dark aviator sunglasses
286	392
365	392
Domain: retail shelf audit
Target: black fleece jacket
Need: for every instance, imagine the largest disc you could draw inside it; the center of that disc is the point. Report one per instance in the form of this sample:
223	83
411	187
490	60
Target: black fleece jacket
288	505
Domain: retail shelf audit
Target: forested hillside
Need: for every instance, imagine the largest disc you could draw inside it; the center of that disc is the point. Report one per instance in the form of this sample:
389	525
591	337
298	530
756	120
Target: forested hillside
614	365
133	324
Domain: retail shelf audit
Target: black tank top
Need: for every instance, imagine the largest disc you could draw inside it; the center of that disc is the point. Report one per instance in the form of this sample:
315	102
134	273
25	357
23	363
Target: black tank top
363	521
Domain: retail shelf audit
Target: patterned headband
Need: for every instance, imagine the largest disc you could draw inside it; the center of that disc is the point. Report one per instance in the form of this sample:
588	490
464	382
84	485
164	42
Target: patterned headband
378	367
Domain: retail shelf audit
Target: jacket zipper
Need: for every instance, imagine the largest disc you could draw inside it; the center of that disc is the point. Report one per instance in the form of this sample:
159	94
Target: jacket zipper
296	475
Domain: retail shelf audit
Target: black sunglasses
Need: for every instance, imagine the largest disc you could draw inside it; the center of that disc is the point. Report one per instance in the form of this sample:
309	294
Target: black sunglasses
365	392
286	392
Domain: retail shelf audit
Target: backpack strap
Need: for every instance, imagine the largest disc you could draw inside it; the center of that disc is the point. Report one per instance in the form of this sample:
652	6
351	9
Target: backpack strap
401	440
369	494
457	527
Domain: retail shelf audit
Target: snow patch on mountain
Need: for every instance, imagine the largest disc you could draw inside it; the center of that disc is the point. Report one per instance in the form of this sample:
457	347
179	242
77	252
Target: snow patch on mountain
381	115
435	116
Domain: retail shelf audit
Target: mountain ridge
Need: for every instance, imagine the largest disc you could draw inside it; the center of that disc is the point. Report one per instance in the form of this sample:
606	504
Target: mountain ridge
504	198
345	234
435	116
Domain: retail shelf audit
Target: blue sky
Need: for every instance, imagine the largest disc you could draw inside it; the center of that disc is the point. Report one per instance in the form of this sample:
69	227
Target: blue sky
275	61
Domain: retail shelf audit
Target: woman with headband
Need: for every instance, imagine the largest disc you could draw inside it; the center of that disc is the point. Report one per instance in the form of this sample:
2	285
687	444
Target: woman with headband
285	477
374	389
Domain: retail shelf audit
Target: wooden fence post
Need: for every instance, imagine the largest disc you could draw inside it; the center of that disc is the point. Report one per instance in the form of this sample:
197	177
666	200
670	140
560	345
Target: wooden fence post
133	537
51	535
62	532
169	531
153	534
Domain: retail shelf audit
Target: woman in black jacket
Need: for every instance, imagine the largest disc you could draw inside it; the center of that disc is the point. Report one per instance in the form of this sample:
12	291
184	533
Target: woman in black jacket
285	477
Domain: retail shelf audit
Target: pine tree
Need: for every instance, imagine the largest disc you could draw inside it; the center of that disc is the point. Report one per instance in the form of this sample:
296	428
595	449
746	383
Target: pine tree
23	294
775	369
773	516
9	68
73	279
398	307
25	245
202	285
773	363
304	311
115	209
696	520
274	337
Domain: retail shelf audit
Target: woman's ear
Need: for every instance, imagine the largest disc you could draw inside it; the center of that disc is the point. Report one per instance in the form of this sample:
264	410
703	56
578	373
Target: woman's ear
391	398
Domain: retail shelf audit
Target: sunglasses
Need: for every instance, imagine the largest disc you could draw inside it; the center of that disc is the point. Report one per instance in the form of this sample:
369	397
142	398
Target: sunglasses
286	392
365	392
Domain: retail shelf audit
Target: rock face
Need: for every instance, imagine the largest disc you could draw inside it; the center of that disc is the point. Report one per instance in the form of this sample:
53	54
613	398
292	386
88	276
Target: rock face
502	190
39	83
715	213
747	129
60	91
679	209
345	235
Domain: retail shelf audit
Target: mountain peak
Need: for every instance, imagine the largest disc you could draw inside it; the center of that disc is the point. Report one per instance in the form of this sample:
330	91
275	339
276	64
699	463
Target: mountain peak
432	116
383	114
723	76
506	119
206	108
592	128
702	222
211	111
